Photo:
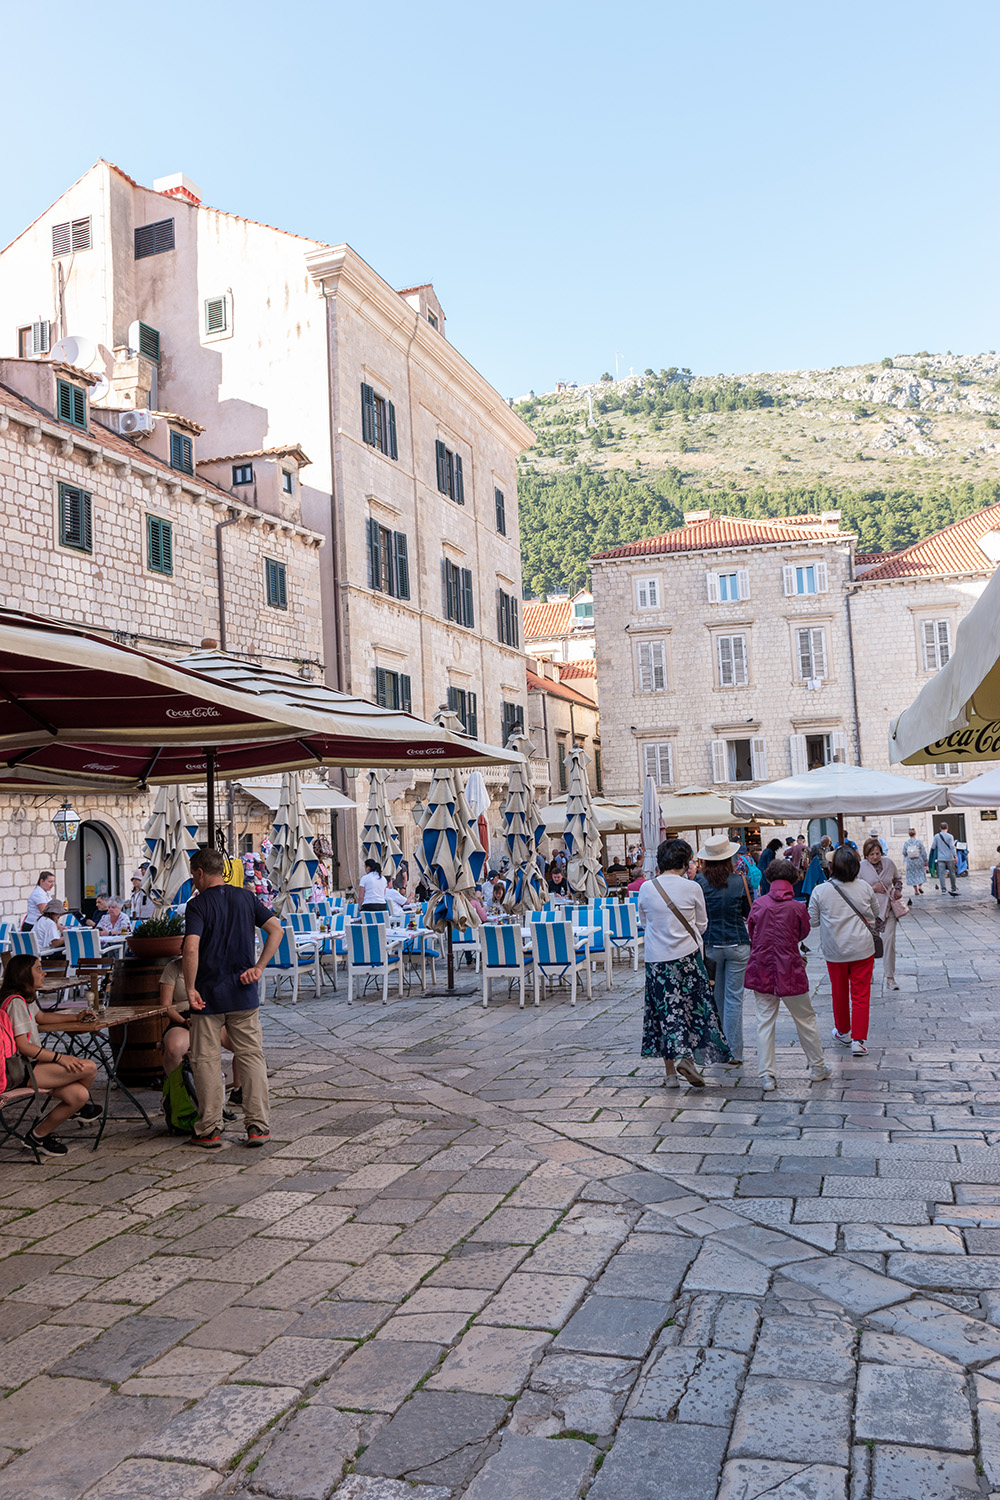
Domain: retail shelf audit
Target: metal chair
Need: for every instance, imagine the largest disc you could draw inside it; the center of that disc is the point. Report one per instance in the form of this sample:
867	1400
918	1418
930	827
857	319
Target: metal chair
560	954
302	921
372	916
6	928
623	930
368	956
503	957
15	1107
288	963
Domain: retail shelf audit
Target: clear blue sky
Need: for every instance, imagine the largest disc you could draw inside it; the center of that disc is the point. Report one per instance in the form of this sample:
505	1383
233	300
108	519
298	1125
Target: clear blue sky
733	186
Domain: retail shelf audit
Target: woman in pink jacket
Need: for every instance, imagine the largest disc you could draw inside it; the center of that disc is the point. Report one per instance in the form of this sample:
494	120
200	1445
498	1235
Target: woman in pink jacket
778	924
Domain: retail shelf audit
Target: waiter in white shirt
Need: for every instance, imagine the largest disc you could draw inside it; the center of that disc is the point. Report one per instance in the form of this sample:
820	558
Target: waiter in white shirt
373	887
39	899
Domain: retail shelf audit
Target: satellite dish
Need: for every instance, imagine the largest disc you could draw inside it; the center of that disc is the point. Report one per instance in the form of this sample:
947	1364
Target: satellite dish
101	390
71	350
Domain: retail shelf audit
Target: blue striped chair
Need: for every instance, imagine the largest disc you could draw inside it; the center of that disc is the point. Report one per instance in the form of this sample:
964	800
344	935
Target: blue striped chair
623	930
560	954
372	916
6	928
368	957
547	914
24	942
599	941
502	957
69	920
81	943
288	963
302	921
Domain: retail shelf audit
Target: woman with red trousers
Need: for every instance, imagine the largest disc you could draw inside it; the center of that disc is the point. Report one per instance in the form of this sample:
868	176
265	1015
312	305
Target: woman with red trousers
846	912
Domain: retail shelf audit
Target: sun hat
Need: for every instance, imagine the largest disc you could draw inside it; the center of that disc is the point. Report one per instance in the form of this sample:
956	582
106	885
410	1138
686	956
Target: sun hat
719	846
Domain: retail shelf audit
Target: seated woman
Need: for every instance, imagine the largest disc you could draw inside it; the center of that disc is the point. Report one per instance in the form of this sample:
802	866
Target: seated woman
48	929
177	1038
68	1079
114	923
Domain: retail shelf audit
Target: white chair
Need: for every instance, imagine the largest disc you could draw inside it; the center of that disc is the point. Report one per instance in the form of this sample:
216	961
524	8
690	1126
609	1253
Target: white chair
23	942
288	963
623	930
560	954
503	957
6	928
368	956
599	941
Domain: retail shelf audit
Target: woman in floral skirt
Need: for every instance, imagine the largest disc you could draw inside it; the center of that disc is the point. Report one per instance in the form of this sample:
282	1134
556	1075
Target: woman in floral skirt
680	1023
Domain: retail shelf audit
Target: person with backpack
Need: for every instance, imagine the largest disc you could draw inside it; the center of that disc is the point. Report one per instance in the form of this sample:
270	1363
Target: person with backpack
68	1079
180	1107
778	922
846	912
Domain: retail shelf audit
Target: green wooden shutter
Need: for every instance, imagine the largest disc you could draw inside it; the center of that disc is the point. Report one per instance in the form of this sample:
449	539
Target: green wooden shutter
515	622
471	715
404	694
71	403
277	587
149	342
159	545
368	414
452	591
75	518
380	696
458	487
468	614
500	598
181	453
64	392
441	453
501	512
402	566
374	563
393	450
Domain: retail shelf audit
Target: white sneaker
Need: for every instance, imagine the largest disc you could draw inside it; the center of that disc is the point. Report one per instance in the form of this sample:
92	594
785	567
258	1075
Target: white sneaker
859	1049
768	1082
671	1081
821	1072
843	1037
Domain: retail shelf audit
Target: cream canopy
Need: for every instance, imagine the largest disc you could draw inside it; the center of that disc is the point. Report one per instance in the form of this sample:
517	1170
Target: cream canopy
837	790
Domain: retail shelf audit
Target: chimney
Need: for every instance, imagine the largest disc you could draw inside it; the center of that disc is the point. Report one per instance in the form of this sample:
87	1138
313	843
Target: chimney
692	517
830	519
178	186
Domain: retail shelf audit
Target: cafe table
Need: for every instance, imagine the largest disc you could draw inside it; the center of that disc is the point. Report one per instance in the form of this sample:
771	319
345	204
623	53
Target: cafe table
88	1034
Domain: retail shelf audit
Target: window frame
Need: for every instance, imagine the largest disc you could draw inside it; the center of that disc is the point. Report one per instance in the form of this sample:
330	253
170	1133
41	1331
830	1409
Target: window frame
246	469
465	703
561	771
393	690
790	578
288	482
85	545
729	638
71	404
650	584
208	332
500	511
275	583
181	452
508	621
154	239
378	422
450	472
511	715
654	646
459	594
811	631
943	768
161	526
76	228
657	748
935	645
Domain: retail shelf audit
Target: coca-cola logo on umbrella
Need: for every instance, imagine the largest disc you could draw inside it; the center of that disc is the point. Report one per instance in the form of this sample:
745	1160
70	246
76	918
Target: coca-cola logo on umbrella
193	713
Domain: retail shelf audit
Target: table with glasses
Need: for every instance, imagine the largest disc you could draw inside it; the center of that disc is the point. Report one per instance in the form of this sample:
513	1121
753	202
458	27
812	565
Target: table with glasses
88	1034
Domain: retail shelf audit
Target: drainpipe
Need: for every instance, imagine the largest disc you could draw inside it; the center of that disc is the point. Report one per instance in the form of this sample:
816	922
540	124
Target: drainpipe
221	578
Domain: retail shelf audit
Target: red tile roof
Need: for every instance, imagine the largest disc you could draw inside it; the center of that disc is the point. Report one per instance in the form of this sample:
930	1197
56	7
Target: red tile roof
538	684
953	550
541	620
576	669
729	531
294	451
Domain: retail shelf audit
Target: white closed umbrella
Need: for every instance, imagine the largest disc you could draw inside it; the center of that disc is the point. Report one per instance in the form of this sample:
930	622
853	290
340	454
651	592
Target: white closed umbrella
650	827
379	840
582	836
170	839
291	863
523	831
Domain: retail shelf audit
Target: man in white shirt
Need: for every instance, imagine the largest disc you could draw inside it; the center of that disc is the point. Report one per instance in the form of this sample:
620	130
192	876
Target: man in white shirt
140	904
39	899
944	851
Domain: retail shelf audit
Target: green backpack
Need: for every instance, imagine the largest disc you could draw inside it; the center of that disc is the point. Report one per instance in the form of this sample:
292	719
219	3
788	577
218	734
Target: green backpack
180	1107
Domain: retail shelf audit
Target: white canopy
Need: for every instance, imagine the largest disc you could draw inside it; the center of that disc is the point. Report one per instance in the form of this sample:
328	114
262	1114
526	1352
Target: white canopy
315	798
956	716
981	791
839	790
610	816
696	807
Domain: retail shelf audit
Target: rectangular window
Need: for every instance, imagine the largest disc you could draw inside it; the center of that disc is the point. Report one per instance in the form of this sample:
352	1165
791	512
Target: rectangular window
647	593
181	452
154	239
810	645
392	690
388	561
732	657
561	761
275	583
149	343
463	703
75	518
450	479
287	482
937	643
739	760
458	595
71	403
507	621
33	339
946	768
378	422
500	506
511	718
809	578
242	473
71	236
216	319
651	657
583	609
658	762
159	545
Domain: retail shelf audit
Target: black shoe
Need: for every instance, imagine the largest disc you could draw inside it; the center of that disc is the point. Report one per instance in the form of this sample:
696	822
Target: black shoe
46	1144
90	1111
236	1096
229	1115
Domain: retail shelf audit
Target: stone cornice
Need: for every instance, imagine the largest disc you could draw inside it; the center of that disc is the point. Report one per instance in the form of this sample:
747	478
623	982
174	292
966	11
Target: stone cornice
339	271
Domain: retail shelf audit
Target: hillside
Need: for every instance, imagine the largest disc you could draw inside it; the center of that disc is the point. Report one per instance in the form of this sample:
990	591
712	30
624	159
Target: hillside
902	447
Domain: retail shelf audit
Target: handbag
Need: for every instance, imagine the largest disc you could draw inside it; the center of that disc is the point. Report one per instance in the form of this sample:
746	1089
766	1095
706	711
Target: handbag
707	963
898	907
876	935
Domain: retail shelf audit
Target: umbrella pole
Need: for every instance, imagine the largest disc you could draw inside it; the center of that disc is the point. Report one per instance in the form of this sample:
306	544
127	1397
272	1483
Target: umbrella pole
840	828
451	962
210	796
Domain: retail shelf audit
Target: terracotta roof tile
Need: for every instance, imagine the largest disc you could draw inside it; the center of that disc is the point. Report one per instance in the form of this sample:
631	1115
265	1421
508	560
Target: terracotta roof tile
953	550
729	531
292	451
541	620
569	669
538	684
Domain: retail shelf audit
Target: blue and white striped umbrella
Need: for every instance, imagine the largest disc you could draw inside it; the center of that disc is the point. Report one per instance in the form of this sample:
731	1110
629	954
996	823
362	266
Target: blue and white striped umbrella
449	854
523	831
582	836
170	839
291	862
379	840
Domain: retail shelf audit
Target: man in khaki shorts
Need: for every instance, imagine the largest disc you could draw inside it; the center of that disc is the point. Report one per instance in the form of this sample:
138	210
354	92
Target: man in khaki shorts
221	977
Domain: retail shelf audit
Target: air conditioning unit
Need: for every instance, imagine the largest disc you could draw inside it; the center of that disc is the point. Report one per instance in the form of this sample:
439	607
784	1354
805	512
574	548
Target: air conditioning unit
128	423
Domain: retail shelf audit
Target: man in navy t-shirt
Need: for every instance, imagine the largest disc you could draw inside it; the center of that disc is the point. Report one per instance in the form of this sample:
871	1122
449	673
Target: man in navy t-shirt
221	976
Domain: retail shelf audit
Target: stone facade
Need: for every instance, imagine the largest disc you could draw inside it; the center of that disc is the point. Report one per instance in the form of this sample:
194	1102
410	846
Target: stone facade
562	715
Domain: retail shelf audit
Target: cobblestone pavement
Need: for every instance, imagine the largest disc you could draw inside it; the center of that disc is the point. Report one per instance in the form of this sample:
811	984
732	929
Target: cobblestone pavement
487	1255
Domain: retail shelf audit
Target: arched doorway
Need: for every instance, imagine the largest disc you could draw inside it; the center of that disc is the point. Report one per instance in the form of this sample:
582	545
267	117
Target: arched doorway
93	867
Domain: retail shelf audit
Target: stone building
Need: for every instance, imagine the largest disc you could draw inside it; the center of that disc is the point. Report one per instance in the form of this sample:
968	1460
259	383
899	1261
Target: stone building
563	714
732	652
97	530
312	386
560	629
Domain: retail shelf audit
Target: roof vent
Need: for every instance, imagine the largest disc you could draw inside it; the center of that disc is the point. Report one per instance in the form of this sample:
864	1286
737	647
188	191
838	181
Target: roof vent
178	186
989	545
692	517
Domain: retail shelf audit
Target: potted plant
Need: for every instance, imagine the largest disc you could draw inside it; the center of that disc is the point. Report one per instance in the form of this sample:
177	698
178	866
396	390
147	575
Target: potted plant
157	937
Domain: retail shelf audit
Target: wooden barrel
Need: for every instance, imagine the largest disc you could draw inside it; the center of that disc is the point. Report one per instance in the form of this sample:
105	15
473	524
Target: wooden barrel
136	981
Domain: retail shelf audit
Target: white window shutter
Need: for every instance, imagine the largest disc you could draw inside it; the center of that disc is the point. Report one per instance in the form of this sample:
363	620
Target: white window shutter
743	579
40	337
788	575
822	578
725	645
819	652
758	759
740	673
645	657
930	645
649	757
658	659
640	593
797	752
720	761
943	642
839	739
712	585
667	764
803	645
653	591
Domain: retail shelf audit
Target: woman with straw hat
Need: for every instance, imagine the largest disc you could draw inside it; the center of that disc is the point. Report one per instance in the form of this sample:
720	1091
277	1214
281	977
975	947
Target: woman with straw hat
727	942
